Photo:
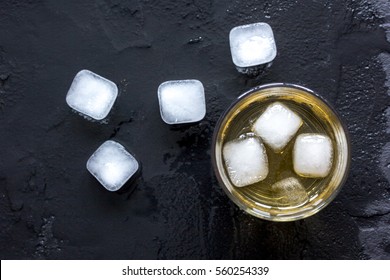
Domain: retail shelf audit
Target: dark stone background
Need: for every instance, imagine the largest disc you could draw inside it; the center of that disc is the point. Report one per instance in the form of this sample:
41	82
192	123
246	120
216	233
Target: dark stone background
51	207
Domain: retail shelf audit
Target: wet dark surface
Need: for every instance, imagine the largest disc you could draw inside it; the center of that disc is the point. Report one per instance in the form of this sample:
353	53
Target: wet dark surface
51	207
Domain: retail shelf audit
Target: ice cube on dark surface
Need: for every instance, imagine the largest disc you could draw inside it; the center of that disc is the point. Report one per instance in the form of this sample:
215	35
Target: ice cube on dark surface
252	44
246	161
312	155
182	101
112	165
277	126
92	95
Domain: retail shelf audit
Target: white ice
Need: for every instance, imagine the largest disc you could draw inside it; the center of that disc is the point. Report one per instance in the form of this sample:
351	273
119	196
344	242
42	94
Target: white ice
112	165
289	192
182	101
312	155
277	125
252	44
246	161
92	95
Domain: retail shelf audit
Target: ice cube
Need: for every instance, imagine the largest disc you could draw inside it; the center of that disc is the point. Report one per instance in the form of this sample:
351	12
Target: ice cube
92	95
252	44
277	125
181	101
112	165
246	161
289	192
312	155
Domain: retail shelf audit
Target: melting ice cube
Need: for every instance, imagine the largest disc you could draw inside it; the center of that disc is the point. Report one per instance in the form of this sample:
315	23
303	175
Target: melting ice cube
246	161
182	101
252	44
312	155
91	94
289	192
112	165
277	125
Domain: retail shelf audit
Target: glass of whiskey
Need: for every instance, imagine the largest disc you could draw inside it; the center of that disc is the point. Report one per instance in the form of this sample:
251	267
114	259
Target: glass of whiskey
281	152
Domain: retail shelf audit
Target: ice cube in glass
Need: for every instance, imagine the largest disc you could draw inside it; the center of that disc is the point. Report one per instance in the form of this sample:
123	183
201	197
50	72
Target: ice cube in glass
246	161
289	192
277	125
312	155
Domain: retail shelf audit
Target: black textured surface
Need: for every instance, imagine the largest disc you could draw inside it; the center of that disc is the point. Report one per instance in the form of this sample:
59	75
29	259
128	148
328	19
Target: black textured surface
51	207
